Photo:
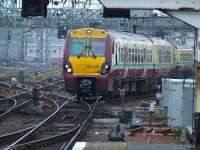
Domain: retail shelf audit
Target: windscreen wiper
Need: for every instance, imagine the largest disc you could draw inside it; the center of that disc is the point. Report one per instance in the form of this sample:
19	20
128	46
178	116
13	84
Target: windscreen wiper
87	49
81	54
90	49
93	54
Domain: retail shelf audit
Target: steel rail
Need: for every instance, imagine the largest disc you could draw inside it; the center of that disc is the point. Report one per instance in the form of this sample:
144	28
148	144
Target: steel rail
48	119
52	139
68	145
51	84
20	133
2	116
10	99
46	141
17	105
13	96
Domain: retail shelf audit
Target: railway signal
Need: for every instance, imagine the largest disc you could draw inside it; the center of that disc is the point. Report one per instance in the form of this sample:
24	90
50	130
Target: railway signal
62	32
34	8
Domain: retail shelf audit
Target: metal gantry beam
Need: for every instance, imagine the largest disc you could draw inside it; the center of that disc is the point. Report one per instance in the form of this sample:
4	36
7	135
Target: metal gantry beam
62	12
161	23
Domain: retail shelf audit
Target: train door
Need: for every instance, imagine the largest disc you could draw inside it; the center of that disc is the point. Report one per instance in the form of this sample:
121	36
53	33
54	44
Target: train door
114	54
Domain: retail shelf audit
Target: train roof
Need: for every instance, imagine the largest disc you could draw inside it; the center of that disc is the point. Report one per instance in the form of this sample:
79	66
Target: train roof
138	38
184	48
160	41
129	36
132	38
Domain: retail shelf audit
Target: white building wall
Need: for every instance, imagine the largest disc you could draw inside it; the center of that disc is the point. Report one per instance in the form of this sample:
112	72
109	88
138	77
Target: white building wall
53	48
177	95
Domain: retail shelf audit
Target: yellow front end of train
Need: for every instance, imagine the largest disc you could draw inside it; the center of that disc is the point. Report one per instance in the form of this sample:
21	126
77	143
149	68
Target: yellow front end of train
87	49
85	61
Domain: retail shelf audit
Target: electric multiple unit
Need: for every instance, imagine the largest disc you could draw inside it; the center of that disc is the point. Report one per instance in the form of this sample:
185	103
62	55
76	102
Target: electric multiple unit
99	62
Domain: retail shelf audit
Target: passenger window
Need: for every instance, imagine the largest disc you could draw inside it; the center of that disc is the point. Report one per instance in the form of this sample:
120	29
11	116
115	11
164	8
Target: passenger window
139	56
122	55
129	55
113	48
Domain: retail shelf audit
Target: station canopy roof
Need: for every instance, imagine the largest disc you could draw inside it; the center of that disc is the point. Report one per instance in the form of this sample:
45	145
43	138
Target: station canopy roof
152	4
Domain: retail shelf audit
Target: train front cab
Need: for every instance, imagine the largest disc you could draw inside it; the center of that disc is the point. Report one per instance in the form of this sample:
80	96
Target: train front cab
86	62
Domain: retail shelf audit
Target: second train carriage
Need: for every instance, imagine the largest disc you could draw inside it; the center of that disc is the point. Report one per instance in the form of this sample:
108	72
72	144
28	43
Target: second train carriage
99	62
184	60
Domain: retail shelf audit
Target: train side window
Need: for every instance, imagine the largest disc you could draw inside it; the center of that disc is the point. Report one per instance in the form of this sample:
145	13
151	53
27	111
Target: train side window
149	56
139	56
142	59
133	54
115	53
130	55
116	58
114	46
162	56
118	54
159	56
143	56
122	55
165	57
136	56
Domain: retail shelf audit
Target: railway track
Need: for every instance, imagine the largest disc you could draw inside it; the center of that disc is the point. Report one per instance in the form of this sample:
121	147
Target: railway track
59	130
83	127
13	110
17	124
46	125
29	74
19	100
58	127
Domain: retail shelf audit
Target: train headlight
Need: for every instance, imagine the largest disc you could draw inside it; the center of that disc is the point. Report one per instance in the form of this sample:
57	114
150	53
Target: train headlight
69	70
105	68
67	67
88	31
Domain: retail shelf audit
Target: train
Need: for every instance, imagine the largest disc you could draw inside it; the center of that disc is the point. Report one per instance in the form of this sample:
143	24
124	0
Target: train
101	62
